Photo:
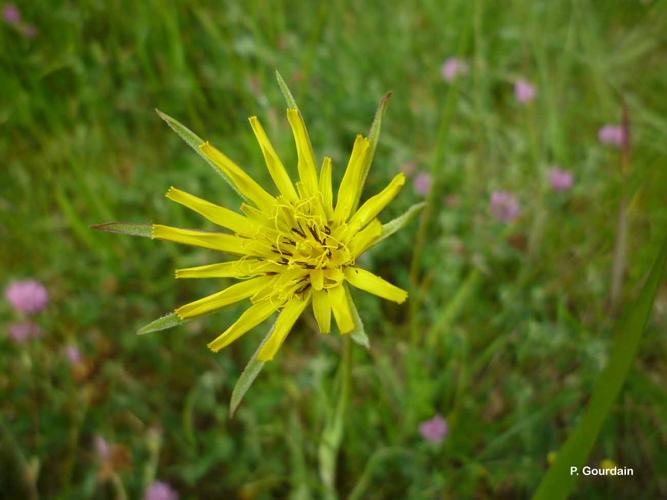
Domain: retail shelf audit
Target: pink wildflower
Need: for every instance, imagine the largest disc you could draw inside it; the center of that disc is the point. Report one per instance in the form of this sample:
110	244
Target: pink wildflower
434	430
452	68
73	354
160	491
102	448
524	91
422	183
23	331
27	296
11	14
560	179
504	206
613	135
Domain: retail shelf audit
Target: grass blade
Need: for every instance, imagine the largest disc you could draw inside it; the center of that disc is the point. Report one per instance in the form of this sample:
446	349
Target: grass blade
558	482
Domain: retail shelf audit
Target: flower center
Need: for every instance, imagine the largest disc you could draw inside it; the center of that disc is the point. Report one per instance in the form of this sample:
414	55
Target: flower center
304	243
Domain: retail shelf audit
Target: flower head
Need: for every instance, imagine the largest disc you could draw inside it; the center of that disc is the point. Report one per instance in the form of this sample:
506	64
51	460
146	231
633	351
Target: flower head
434	429
422	183
524	91
30	31
23	331
613	135
452	68
159	490
294	248
504	206
560	179
11	14
27	296
102	448
72	354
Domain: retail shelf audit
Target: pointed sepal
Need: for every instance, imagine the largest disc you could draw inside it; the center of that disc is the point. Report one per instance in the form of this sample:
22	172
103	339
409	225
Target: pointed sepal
289	98
400	222
248	375
194	141
143	230
359	333
167	321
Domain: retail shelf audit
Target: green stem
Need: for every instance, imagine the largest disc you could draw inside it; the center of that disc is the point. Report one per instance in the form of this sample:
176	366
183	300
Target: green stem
333	429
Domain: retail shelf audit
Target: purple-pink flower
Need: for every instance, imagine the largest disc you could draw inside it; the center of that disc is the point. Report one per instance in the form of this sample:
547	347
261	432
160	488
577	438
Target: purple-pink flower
560	179
409	167
504	206
452	68
11	13
30	30
27	296
72	354
102	448
524	91
23	331
613	135
434	430
422	183
160	491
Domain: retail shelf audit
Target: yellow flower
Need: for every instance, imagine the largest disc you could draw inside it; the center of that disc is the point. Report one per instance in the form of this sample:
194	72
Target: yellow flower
293	249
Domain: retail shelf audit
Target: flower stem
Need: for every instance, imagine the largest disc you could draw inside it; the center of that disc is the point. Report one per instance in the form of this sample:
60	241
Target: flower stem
334	427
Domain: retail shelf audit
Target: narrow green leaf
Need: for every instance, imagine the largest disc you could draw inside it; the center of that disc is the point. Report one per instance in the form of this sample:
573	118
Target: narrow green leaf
289	98
359	333
194	141
143	230
167	321
399	222
248	376
558	481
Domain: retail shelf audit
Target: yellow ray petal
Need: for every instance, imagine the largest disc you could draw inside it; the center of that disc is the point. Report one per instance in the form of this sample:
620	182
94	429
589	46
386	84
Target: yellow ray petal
282	327
350	187
341	309
234	269
229	295
371	283
250	318
306	161
365	238
317	279
215	241
215	213
322	310
325	187
273	163
375	204
243	182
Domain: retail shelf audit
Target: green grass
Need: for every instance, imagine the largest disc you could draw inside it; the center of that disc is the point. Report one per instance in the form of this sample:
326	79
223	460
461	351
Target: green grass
506	330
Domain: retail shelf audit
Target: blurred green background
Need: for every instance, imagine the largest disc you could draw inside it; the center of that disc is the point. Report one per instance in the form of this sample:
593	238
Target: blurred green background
507	325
